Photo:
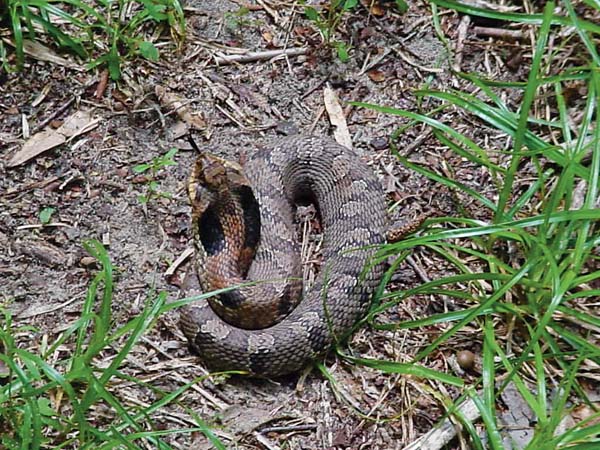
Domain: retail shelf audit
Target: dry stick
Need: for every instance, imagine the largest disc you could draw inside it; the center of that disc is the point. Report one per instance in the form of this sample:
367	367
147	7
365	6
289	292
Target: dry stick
173	267
259	56
63	108
289	428
54	114
34	185
411	62
270	11
500	33
314	88
463	27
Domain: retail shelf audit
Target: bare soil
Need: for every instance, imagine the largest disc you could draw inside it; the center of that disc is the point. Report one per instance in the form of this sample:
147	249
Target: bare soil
89	181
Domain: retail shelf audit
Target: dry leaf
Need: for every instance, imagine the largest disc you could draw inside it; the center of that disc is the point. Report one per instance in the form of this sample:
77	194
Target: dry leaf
376	75
336	117
268	37
43	53
584	412
78	123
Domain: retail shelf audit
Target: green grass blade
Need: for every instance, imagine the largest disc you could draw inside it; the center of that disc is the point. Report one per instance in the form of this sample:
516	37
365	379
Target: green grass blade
534	19
528	97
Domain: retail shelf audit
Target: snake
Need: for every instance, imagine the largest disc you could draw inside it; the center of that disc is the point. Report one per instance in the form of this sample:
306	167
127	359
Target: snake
265	322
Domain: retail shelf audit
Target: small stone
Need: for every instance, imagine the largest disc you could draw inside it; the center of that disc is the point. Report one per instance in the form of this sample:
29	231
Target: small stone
379	143
87	261
287	128
465	359
56	123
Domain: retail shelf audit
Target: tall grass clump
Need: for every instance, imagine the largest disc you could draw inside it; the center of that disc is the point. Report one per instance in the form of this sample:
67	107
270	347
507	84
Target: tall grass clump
534	267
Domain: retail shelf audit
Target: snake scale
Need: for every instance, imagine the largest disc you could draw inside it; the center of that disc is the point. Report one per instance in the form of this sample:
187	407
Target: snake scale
274	336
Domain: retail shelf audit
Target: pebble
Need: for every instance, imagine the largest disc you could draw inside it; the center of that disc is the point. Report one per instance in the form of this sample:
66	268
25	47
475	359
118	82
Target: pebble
87	261
379	143
287	128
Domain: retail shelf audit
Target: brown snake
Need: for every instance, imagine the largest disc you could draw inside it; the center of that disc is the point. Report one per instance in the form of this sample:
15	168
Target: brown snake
243	329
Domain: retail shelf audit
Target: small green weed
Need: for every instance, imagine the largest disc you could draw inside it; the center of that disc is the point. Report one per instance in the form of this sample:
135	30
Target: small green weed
154	167
328	21
46	214
236	20
101	32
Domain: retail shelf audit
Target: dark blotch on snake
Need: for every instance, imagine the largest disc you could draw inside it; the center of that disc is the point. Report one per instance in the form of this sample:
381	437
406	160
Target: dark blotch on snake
257	362
211	233
232	299
286	302
251	211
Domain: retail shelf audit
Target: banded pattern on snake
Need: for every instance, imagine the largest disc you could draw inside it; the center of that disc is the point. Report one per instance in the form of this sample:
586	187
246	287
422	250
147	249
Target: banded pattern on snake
273	339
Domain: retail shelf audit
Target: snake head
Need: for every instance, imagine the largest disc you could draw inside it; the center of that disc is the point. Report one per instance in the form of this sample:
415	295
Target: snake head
208	178
211	176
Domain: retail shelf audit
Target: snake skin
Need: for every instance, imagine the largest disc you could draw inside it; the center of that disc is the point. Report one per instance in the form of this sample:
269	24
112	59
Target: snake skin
351	204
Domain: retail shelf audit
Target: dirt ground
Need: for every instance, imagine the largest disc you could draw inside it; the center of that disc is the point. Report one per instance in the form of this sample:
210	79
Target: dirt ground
90	183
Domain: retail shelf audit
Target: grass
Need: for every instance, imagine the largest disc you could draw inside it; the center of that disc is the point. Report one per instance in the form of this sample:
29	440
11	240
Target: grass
102	33
541	288
50	402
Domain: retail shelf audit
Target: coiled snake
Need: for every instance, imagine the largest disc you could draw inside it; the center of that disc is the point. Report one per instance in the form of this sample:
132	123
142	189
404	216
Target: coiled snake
242	329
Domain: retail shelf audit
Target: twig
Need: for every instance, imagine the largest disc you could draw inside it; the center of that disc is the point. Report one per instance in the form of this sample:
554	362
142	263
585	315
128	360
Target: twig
270	11
37	226
259	56
411	261
500	33
173	267
463	27
313	125
313	89
35	185
370	65
286	429
408	60
54	114
203	392
32	312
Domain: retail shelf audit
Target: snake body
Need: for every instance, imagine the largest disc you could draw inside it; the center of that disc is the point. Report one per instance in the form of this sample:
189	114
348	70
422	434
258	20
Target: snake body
351	204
